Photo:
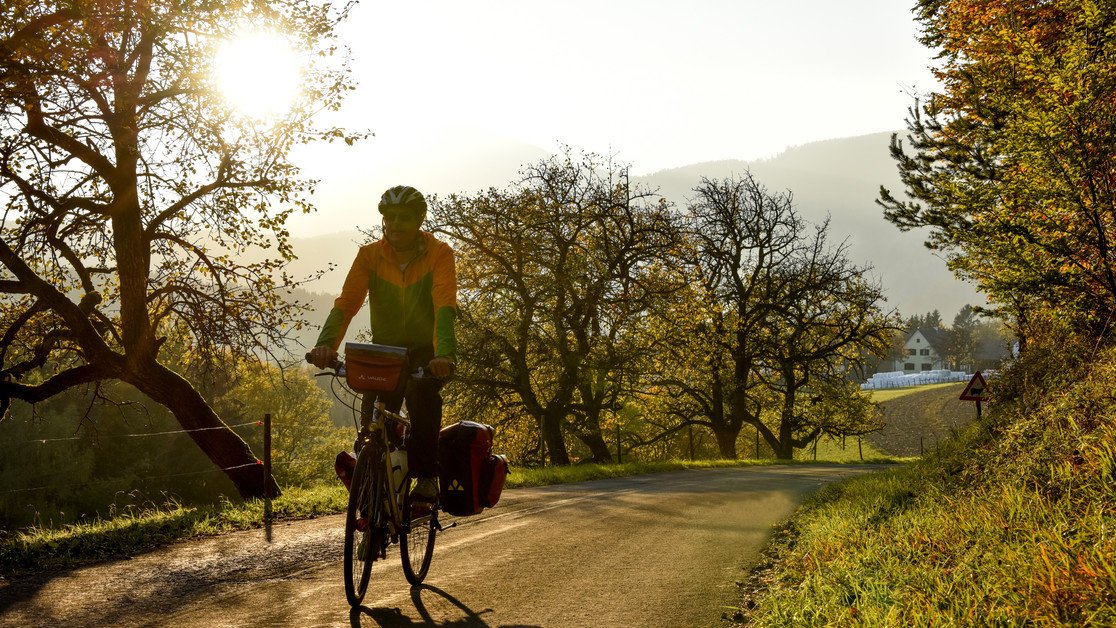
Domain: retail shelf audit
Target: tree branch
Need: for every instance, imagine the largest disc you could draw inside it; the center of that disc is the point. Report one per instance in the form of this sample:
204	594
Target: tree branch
65	380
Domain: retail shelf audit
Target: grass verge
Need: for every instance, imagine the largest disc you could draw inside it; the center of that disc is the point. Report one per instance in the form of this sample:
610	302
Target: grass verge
543	476
1011	523
137	531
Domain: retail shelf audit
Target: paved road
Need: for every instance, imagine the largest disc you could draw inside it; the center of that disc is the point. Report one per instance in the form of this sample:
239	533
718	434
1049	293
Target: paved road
655	550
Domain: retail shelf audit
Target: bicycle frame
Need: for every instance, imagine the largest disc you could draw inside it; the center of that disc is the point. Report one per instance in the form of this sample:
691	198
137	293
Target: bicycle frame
376	430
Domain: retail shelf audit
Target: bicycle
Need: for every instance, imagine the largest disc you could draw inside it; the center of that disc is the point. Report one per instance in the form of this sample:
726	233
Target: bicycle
380	511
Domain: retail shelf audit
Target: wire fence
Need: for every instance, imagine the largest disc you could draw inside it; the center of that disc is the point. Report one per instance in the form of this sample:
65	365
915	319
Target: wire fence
142	434
88	483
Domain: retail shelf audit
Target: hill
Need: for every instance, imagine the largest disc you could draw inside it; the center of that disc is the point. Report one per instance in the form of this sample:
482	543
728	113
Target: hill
839	178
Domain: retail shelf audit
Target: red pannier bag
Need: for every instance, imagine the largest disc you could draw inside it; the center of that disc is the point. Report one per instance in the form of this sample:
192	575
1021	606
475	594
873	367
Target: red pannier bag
472	477
374	368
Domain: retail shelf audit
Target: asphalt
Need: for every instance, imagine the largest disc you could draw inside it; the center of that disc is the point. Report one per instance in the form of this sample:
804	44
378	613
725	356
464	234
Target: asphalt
654	550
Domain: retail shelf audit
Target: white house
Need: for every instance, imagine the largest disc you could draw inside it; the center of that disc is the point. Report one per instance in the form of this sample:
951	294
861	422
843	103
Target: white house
923	352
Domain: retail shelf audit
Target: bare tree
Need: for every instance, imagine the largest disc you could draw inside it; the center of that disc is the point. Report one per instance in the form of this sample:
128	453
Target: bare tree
134	195
743	236
825	320
556	275
785	313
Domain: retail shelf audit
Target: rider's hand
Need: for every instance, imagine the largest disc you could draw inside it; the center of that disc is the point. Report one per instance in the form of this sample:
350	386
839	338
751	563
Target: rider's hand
441	367
322	356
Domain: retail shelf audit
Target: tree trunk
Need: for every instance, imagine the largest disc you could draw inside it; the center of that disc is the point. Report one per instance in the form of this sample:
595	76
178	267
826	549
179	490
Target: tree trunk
726	442
223	446
595	441
784	447
551	425
784	450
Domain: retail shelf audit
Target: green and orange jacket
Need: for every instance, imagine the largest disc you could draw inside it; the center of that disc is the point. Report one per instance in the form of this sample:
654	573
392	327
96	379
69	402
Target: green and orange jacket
413	307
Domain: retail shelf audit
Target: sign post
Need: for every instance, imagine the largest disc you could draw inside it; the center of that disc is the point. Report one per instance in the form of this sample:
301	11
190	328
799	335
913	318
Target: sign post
977	391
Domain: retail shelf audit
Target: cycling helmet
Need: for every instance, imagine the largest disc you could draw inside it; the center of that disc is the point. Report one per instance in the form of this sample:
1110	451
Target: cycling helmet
404	196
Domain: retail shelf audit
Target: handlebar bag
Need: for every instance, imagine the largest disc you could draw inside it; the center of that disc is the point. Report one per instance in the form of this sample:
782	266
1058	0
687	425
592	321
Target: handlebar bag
374	368
472	477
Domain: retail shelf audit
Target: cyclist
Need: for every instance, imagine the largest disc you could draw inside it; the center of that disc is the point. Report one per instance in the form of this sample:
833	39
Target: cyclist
410	280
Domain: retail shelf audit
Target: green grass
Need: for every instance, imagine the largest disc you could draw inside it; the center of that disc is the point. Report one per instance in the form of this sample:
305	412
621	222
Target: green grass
1011	523
833	451
142	530
542	476
880	396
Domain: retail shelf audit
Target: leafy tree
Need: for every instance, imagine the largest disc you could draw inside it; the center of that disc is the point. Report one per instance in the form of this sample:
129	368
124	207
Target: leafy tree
134	195
555	277
304	438
789	314
931	320
961	345
742	236
825	321
1011	162
689	379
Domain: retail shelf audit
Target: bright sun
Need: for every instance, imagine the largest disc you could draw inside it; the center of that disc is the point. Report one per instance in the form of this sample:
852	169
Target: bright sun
258	73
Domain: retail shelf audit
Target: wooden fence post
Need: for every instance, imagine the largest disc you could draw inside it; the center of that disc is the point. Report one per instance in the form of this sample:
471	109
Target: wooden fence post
267	476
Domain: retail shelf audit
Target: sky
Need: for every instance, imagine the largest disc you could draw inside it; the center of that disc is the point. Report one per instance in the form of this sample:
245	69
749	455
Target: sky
454	92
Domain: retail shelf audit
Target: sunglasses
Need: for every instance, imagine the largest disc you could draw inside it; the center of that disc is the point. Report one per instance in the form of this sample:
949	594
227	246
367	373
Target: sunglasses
398	216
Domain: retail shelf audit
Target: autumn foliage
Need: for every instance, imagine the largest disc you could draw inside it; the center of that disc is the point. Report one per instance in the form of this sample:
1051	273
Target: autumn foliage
1013	163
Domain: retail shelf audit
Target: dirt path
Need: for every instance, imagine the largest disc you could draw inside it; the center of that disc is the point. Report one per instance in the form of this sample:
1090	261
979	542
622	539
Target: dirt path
662	550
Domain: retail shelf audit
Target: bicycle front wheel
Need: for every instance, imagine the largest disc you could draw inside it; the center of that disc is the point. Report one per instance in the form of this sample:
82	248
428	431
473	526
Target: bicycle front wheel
416	543
363	525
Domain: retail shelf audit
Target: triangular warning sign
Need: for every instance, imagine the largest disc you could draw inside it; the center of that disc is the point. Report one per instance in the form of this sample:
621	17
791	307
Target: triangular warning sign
977	390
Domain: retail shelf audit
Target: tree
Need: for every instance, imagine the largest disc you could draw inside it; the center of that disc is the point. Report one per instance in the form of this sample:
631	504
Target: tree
825	321
930	320
556	275
1011	162
134	195
791	314
961	341
743	235
689	379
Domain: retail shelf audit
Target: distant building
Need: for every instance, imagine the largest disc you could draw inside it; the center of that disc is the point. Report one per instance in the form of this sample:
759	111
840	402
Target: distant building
924	351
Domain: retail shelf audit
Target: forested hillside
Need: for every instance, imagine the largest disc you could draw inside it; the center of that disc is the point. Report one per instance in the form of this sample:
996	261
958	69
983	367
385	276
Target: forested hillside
840	177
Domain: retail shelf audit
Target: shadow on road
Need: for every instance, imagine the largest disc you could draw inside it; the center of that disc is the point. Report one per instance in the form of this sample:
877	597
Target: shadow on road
14	590
394	617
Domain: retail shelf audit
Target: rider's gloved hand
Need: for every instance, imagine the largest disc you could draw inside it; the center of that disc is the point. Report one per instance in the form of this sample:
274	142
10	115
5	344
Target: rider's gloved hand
322	356
441	367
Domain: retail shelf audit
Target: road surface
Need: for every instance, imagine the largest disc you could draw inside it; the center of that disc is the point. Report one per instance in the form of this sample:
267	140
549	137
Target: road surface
653	550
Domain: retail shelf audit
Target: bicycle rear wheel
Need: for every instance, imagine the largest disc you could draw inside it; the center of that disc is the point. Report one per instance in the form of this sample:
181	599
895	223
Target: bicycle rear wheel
363	524
416	544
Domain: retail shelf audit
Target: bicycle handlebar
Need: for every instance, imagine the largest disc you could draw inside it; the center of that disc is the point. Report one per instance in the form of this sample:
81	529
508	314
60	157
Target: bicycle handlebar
338	366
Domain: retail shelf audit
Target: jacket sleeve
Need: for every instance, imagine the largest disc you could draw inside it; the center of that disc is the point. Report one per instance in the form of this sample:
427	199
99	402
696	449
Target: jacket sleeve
445	304
345	307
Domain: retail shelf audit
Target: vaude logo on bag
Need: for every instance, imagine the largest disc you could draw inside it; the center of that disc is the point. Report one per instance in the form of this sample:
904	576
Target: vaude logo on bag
456	487
366	377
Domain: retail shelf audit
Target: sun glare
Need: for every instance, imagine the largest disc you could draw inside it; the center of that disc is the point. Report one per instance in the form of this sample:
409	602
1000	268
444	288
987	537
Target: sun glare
258	73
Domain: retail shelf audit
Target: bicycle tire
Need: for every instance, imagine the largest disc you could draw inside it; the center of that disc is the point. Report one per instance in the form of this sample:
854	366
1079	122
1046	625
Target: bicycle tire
416	543
365	505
